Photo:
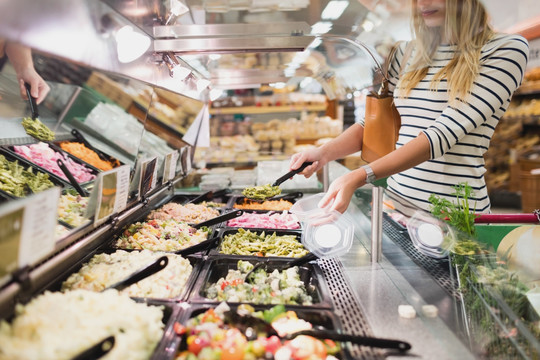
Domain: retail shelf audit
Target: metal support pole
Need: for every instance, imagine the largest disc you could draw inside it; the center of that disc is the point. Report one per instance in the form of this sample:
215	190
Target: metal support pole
326	177
376	224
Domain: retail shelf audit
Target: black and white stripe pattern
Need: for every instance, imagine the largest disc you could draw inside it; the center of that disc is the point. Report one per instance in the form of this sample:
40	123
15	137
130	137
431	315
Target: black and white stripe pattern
459	134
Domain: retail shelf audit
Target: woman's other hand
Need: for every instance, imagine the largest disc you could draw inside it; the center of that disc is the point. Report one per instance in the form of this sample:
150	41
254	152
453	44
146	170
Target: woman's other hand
341	190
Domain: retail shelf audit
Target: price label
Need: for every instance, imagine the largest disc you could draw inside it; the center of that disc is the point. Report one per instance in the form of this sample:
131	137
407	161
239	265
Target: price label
148	176
169	166
110	193
27	230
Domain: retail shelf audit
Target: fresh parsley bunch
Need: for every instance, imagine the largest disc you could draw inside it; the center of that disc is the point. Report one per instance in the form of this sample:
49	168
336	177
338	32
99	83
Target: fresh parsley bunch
457	213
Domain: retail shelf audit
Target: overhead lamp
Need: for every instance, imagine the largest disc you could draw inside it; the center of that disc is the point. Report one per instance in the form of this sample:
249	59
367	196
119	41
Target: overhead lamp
177	9
215	94
321	27
334	9
130	44
202	84
176	70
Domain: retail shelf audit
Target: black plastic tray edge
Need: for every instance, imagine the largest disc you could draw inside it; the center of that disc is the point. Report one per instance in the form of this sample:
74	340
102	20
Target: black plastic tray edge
316	274
163	346
189	309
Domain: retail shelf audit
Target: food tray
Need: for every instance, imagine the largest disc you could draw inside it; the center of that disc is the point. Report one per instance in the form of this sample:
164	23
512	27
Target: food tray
317	317
111	245
105	156
228	231
225	225
14	157
218	267
238	199
195	261
171	314
182	198
92	169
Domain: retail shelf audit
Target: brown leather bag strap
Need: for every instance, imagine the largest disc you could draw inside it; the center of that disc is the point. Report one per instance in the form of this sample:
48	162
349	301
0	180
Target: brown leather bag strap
406	54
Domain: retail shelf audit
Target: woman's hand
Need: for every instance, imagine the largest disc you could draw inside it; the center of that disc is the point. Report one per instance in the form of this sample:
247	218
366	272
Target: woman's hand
38	87
341	190
314	155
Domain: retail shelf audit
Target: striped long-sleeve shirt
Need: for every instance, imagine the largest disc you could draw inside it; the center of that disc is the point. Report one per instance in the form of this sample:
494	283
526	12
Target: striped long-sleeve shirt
459	134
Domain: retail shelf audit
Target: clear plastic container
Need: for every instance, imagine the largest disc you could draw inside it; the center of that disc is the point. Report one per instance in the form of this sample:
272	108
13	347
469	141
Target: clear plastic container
327	233
431	236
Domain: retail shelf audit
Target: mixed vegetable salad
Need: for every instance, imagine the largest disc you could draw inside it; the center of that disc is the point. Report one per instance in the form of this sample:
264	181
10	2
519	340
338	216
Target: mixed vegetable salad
277	287
161	235
72	209
215	334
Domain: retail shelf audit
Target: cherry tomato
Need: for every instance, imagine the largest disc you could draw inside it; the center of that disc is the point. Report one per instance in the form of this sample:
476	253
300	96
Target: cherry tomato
306	347
179	328
196	344
273	344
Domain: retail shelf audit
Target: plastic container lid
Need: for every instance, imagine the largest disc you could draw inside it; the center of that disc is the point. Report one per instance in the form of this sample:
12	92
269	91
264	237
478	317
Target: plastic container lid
307	206
431	236
327	234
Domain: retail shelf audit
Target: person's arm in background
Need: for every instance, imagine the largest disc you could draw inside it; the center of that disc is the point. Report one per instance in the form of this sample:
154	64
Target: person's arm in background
348	142
21	58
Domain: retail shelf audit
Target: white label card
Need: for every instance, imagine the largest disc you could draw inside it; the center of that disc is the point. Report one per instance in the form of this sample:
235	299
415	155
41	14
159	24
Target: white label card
112	193
169	166
27	230
148	176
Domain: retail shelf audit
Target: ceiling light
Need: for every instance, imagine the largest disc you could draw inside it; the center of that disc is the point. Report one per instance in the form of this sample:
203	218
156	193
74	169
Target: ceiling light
368	26
215	94
322	27
176	70
130	44
202	84
334	9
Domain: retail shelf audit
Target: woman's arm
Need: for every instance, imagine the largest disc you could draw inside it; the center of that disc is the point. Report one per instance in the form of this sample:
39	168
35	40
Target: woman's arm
342	189
21	58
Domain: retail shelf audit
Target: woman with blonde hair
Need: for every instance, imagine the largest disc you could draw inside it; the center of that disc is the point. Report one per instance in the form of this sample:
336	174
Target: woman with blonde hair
455	86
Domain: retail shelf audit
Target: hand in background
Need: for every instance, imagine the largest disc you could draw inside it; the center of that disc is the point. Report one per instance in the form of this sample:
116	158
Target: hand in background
315	155
20	57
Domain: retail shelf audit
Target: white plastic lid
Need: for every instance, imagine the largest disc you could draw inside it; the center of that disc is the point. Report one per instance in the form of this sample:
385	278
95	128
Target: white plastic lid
430	236
329	235
307	206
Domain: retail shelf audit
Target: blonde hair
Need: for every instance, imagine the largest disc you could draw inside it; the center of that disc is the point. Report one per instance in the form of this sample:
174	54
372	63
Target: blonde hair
466	25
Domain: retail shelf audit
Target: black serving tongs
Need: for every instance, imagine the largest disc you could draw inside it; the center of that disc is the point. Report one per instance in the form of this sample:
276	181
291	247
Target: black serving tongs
97	351
155	266
250	325
291	173
34	127
203	245
219	219
296	262
71	179
280	181
207	196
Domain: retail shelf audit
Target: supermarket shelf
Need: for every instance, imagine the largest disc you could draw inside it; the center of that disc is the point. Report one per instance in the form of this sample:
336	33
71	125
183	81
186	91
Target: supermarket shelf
265	109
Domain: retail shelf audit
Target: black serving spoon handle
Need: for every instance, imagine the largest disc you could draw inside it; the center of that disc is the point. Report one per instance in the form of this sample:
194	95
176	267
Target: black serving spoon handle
291	173
157	265
98	350
31	101
219	219
71	179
